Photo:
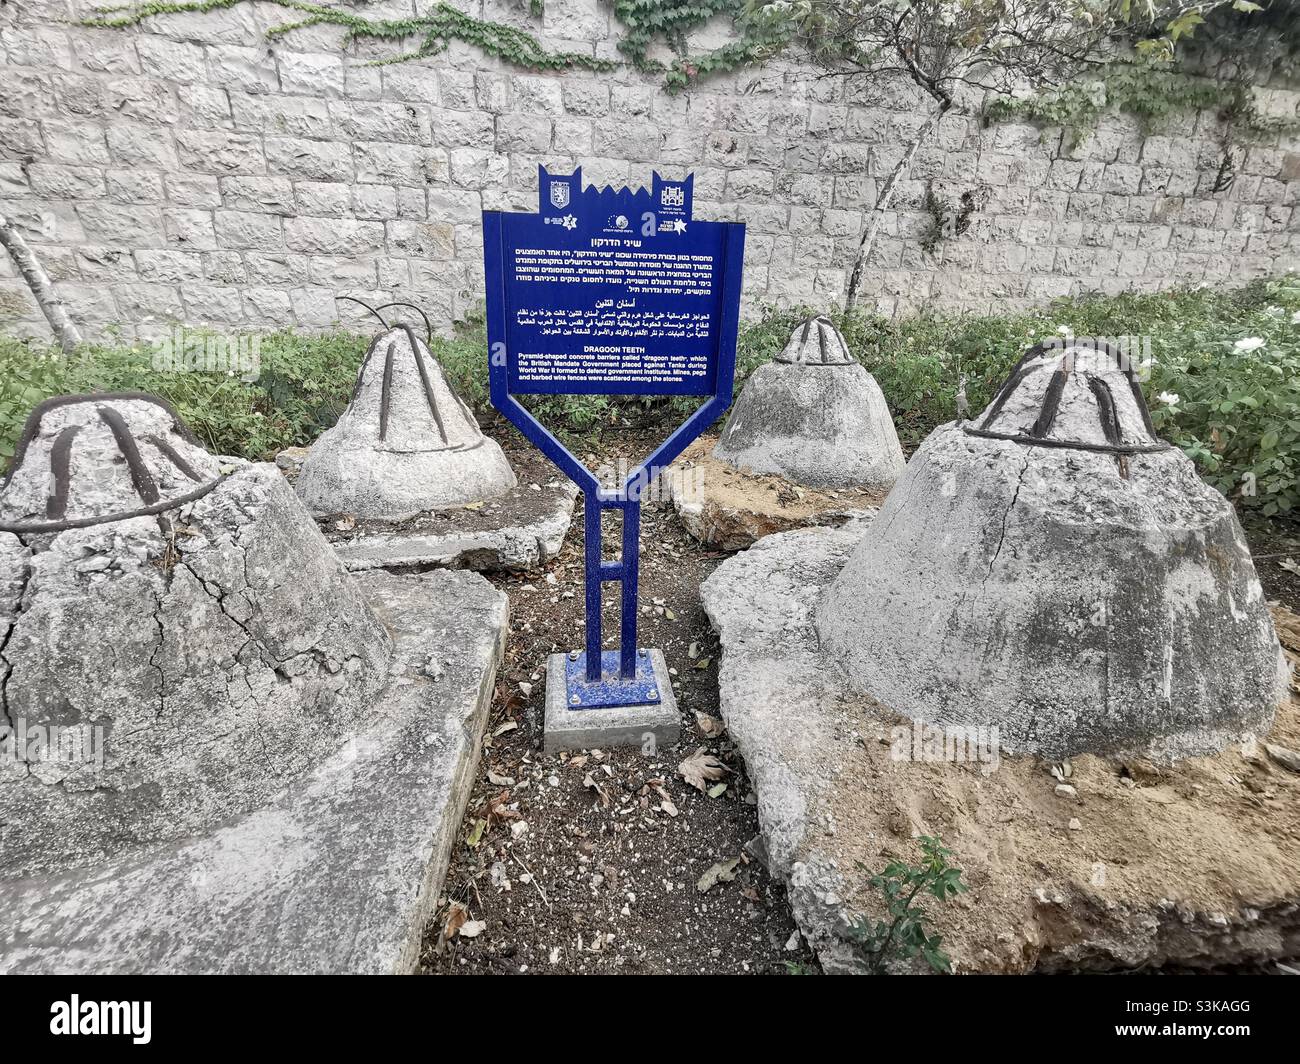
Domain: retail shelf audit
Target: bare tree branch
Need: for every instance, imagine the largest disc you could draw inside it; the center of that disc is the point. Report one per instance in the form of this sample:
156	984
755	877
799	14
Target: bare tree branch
65	331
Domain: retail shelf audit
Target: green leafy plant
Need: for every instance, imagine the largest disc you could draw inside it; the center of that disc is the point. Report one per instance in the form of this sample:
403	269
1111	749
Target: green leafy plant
436	27
1236	411
946	219
902	933
645	21
1152	94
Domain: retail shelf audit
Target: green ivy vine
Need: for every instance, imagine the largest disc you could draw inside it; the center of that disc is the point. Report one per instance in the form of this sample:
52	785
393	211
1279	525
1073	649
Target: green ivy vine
437	28
644	21
1151	94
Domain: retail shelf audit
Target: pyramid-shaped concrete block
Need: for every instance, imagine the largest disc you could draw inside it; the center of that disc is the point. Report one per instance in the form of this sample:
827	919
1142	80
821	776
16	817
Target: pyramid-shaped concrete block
1054	570
178	616
406	443
815	416
86	460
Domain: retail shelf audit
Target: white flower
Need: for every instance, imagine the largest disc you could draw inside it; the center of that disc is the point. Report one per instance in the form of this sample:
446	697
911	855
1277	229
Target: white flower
1065	330
1295	317
1168	398
1249	343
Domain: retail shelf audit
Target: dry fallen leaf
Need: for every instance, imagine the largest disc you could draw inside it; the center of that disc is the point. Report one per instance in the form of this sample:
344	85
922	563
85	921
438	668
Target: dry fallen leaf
722	872
590	783
457	914
472	928
666	802
1285	757
701	767
476	833
710	727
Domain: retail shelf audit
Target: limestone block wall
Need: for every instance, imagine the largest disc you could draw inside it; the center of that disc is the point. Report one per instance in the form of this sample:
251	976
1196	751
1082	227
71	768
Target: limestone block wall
194	171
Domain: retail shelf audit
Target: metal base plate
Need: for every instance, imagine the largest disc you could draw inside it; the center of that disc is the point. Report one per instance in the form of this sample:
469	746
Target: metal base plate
610	690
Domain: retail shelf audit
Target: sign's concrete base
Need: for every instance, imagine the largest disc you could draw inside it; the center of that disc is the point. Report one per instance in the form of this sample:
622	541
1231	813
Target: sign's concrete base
727	509
518	531
650	727
337	874
1121	864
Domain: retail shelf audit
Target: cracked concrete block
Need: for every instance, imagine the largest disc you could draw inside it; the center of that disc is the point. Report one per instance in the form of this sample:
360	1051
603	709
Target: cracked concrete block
815	416
1056	571
178	618
202	712
407	442
1137	866
340	870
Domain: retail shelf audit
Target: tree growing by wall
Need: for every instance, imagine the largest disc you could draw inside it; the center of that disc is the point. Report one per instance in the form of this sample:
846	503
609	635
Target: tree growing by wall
29	268
995	46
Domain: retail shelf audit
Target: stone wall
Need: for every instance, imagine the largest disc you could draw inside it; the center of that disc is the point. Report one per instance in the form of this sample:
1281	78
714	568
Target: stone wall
194	171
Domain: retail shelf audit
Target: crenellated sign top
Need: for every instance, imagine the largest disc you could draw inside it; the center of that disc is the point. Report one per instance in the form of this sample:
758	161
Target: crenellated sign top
619	212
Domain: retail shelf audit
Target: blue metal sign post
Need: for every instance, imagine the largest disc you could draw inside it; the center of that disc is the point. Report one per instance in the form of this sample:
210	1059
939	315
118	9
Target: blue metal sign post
611	292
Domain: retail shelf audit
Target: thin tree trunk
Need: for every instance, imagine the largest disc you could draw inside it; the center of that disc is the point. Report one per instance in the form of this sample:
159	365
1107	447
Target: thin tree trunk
883	200
65	331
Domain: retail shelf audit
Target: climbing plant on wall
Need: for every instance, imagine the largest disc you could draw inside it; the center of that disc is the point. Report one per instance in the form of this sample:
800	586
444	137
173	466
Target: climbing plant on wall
645	23
1153	95
758	36
435	29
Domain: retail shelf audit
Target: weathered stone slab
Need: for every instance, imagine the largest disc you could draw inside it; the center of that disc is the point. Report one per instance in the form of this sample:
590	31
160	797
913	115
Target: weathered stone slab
1197	864
515	532
336	874
726	509
649	727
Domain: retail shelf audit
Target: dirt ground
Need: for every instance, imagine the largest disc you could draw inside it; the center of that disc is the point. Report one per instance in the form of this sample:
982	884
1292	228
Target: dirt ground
730	509
1276	547
593	862
1069	865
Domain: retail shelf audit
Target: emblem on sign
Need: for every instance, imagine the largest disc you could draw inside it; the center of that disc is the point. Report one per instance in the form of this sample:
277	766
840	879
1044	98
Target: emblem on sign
559	194
672	196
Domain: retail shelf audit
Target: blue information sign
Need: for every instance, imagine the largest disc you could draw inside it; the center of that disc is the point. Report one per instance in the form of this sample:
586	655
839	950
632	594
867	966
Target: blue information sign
611	292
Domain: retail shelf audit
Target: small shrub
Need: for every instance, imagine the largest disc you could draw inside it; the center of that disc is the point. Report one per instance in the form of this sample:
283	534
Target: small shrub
303	384
1237	412
902	934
